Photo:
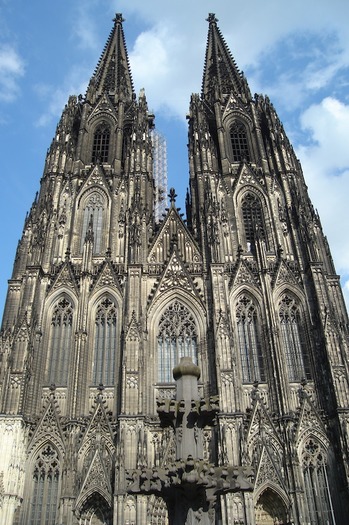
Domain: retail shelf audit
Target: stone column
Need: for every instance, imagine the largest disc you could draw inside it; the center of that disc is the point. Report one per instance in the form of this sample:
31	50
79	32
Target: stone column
188	436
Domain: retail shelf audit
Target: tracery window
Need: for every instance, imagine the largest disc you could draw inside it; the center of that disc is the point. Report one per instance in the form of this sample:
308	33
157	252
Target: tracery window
93	215
105	344
292	334
253	219
249	341
239	142
44	500
60	342
316	484
177	337
101	139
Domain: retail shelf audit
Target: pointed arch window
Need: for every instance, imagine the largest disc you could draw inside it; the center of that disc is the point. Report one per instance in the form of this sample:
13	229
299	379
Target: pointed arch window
105	344
93	213
293	339
100	148
316	484
249	341
45	483
60	342
239	142
177	337
253	219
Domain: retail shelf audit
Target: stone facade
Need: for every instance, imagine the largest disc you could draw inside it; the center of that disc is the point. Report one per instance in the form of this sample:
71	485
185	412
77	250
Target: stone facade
104	301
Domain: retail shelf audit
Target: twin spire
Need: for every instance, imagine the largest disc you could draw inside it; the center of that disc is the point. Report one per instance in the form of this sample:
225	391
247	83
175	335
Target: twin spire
113	74
221	74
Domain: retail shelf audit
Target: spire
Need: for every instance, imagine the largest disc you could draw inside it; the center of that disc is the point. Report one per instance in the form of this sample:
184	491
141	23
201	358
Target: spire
113	74
221	74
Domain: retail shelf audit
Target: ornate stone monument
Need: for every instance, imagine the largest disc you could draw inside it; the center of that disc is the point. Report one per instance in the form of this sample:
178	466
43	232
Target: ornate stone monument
190	485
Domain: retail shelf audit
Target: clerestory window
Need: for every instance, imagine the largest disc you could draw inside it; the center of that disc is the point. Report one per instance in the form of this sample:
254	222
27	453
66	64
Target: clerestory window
177	337
60	342
105	346
293	339
239	142
249	341
100	148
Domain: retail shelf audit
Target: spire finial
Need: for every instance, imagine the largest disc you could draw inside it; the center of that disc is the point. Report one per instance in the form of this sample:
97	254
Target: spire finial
118	18
172	195
212	18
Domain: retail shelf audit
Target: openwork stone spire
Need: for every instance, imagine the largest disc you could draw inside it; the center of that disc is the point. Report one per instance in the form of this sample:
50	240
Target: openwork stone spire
221	74
113	73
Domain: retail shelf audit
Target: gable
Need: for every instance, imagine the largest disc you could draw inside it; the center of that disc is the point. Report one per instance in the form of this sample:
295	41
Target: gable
172	232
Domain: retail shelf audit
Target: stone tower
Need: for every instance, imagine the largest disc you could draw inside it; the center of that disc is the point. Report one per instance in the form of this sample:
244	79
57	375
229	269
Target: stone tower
104	302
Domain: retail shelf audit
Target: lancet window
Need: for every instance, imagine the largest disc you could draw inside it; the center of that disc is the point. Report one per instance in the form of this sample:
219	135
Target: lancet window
60	342
105	343
177	337
316	484
293	339
239	142
249	341
100	148
44	500
253	219
93	216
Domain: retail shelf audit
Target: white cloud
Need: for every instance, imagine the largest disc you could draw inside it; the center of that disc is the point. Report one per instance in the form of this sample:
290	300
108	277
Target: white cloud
84	26
256	30
11	69
325	162
157	65
55	98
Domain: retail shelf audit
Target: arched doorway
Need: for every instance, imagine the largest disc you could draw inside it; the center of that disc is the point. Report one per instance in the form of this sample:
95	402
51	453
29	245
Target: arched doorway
270	509
95	511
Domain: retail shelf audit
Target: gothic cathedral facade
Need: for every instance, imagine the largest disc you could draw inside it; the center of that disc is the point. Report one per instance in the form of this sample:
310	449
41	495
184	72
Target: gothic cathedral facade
104	301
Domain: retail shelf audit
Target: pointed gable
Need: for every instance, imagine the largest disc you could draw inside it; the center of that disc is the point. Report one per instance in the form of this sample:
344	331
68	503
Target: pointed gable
247	175
65	278
99	427
269	469
96	179
284	274
133	332
104	108
309	419
48	427
174	231
97	479
260	422
106	277
176	276
243	275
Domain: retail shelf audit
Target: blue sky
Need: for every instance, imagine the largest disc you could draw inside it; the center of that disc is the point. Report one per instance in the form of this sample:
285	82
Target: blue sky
295	52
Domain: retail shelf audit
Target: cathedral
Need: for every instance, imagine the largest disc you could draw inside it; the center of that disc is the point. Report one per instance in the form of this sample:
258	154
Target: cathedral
158	369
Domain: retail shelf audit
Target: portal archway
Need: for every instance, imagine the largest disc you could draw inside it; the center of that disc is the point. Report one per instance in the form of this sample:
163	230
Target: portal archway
270	509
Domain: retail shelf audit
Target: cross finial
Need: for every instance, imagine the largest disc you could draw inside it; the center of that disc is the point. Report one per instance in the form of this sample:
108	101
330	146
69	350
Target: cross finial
172	195
118	18
211	18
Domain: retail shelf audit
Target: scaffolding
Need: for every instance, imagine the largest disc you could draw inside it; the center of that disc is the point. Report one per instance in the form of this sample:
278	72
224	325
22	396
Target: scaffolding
159	173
